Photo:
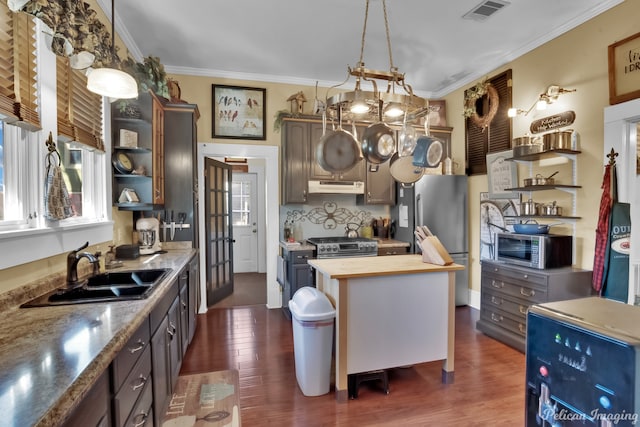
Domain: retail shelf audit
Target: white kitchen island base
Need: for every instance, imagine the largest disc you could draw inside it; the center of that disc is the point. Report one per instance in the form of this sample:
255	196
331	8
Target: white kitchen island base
388	314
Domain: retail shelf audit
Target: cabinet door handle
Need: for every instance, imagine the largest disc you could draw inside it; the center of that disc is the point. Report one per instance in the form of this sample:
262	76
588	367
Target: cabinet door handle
526	276
526	293
522	328
171	330
496	318
140	419
142	380
184	304
497	301
141	345
523	309
497	285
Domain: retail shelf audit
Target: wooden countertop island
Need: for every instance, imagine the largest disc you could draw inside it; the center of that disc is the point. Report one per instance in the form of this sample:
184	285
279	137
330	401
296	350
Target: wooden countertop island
390	311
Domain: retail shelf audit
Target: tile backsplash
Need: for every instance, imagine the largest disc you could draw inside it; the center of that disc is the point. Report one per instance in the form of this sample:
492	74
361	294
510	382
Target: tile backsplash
327	216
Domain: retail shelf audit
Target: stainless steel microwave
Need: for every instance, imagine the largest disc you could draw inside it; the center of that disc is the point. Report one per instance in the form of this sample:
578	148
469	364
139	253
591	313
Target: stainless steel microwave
535	250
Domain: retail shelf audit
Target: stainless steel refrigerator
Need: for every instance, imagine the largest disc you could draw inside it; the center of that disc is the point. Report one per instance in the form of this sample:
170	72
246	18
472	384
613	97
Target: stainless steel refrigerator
440	203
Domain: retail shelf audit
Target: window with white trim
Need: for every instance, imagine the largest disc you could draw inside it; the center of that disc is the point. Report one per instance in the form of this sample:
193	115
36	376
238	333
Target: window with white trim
23	156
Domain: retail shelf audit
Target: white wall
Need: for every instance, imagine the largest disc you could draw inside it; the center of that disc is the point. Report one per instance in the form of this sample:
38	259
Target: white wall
271	157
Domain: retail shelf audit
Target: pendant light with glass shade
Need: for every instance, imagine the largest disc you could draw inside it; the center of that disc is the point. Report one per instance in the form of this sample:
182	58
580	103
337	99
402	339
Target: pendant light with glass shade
112	82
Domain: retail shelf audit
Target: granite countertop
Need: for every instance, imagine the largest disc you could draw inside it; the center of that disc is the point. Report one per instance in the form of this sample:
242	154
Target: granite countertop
51	356
304	246
298	246
391	243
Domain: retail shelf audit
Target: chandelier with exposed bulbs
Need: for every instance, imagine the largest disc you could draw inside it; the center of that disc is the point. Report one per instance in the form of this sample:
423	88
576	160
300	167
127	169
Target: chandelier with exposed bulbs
396	103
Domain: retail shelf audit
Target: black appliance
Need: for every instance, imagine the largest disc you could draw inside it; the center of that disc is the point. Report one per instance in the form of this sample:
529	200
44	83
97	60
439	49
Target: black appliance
340	247
535	250
582	363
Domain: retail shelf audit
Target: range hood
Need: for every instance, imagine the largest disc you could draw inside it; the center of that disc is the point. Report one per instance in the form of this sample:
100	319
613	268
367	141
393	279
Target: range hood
336	187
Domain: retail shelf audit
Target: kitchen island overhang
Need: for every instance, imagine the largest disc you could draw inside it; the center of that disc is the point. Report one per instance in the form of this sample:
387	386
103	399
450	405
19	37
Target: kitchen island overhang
391	313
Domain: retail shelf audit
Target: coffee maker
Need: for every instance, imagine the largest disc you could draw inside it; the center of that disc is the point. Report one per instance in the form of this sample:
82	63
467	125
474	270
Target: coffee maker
148	235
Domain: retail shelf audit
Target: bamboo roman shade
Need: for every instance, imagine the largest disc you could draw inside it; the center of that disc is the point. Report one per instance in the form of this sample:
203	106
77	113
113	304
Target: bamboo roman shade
18	76
79	110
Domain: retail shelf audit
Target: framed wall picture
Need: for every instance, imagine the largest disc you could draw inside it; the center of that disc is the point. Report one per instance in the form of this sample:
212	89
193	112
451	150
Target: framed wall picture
238	112
624	69
502	175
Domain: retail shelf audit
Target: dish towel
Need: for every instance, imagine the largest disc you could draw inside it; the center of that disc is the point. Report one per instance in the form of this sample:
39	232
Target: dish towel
57	203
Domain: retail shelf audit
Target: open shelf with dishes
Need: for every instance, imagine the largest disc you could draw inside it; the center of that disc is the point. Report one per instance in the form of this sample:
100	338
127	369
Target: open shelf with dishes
571	156
138	153
572	188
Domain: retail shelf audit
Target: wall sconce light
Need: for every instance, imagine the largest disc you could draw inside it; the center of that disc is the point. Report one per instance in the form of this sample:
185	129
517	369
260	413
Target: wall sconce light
513	112
546	98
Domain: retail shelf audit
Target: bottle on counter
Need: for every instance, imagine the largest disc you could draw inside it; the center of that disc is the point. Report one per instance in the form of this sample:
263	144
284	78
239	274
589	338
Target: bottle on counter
288	232
298	234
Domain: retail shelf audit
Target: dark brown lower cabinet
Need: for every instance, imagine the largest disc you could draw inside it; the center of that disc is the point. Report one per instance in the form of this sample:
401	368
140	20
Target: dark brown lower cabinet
95	409
137	387
507	291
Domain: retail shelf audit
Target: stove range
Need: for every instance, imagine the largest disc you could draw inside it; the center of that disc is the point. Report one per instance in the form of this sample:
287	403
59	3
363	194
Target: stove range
340	247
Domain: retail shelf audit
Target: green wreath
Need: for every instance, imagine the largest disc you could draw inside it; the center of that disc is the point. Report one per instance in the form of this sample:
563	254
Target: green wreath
475	93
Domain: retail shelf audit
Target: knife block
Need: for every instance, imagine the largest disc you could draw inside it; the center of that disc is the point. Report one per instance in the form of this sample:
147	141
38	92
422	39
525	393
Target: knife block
433	252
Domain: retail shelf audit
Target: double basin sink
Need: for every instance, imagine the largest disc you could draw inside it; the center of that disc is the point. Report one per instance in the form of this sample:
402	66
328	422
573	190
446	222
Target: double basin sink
104	287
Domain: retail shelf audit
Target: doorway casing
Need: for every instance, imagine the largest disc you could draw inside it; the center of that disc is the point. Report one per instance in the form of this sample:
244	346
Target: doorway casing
270	154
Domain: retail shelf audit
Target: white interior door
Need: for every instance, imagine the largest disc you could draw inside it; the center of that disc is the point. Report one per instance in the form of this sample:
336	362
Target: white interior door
245	228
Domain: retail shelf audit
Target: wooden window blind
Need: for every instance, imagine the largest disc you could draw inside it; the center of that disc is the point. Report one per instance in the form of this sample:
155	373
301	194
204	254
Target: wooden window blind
79	110
18	72
7	92
26	79
495	137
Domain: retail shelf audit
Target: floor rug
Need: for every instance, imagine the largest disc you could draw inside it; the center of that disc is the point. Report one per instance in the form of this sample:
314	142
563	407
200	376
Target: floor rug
210	399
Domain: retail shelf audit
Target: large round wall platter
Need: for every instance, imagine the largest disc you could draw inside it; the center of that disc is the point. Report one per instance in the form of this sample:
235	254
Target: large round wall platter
122	163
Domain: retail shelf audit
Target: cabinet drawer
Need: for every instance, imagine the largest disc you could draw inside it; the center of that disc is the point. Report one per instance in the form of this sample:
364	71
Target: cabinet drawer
142	415
514	275
505	303
300	257
128	356
504	320
526	292
401	250
135	383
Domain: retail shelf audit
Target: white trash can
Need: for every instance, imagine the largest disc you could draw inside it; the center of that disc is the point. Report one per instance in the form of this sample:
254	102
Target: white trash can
312	316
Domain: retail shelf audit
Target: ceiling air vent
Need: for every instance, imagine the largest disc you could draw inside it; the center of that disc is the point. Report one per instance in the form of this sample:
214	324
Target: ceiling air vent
485	9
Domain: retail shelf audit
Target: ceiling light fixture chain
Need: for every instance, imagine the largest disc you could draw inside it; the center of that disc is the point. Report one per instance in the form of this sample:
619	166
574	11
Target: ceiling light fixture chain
364	33
386	26
367	105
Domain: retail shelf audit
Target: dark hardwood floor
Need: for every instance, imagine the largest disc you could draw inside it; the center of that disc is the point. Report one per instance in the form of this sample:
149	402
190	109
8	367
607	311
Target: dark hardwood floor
488	388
